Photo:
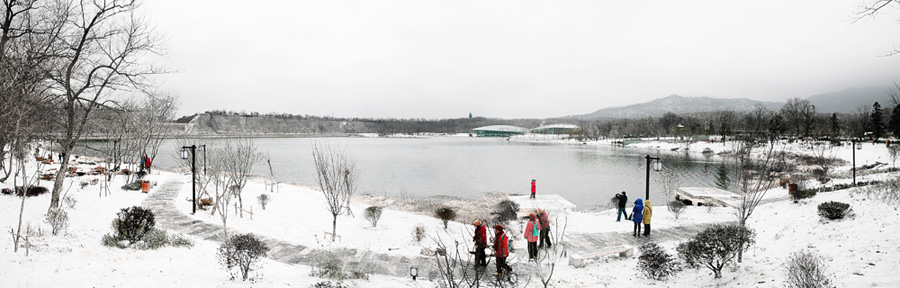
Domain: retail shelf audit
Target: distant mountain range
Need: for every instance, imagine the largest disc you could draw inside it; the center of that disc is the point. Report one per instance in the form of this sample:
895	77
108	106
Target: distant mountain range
846	101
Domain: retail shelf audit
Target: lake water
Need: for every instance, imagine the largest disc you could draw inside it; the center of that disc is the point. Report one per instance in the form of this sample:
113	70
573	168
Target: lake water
587	175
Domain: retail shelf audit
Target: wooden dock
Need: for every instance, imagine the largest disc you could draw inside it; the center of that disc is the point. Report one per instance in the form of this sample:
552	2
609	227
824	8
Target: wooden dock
548	202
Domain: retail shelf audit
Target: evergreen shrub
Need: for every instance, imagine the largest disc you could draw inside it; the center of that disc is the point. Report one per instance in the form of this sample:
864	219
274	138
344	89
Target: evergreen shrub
31	192
419	233
445	214
6	191
655	263
505	211
133	186
132	223
715	246
328	284
803	194
676	207
154	239
373	214
263	200
834	210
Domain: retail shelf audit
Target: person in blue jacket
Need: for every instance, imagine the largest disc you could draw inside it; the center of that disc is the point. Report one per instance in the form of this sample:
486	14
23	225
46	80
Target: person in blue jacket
637	216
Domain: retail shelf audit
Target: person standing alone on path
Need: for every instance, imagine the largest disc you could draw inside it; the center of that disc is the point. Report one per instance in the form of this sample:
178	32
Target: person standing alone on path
533	188
636	216
648	212
480	244
532	232
622	201
545	229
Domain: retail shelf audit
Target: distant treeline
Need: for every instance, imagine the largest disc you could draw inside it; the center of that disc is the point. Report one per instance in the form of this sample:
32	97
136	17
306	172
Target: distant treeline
797	118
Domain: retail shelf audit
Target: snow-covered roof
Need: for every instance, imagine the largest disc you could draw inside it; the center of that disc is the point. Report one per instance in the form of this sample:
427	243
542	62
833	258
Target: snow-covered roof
557	126
502	128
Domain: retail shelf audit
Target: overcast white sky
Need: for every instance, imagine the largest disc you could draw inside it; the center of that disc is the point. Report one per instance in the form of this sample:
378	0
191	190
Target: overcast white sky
511	59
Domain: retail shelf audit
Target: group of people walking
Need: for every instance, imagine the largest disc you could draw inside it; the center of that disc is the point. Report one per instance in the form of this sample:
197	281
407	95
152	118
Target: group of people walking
537	233
640	213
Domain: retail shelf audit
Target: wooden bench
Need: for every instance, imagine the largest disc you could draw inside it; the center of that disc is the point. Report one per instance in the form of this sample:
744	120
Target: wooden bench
577	260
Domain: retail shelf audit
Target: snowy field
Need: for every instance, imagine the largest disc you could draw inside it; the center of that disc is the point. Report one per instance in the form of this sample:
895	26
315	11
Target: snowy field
860	251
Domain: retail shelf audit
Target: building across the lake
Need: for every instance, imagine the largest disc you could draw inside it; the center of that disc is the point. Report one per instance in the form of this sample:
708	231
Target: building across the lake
499	131
555	129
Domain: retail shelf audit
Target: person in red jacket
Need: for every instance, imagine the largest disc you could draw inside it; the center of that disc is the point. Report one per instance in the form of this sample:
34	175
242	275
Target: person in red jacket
533	188
532	233
501	250
545	229
480	239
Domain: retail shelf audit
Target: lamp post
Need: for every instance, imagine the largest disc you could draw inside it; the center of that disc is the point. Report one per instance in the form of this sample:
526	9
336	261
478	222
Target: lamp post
656	167
856	146
184	155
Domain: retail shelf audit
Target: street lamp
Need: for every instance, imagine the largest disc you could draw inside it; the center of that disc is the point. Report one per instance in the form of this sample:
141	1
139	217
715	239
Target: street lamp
856	146
413	271
657	166
184	155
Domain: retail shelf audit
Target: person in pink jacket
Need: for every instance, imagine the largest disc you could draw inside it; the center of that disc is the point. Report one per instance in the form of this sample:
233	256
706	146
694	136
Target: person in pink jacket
532	233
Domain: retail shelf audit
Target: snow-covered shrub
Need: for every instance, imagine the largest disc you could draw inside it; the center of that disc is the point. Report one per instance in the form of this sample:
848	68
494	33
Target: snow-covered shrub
83	184
328	267
806	270
445	214
715	246
419	233
242	252
834	210
132	223
655	263
154	239
109	240
178	240
58	219
263	200
328	284
32	191
505	211
803	194
70	201
676	207
6	191
373	214
133	186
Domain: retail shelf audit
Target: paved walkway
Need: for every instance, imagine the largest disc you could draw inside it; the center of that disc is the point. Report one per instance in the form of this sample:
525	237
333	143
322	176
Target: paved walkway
162	201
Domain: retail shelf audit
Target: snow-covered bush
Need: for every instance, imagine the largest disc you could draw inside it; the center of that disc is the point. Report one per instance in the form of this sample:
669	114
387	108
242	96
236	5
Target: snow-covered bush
505	211
373	214
132	223
133	186
803	194
58	219
834	210
328	284
70	201
242	252
109	240
446	214
178	240
715	246
806	270
419	233
6	191
655	263
676	207
32	191
154	239
263	200
333	268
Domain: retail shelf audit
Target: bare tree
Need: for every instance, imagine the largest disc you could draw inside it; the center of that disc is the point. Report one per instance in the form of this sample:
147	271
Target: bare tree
100	50
549	257
755	177
237	160
870	8
336	175
800	115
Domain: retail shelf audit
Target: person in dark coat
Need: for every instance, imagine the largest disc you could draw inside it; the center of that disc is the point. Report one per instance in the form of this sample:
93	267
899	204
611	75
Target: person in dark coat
480	239
545	229
637	216
501	250
622	201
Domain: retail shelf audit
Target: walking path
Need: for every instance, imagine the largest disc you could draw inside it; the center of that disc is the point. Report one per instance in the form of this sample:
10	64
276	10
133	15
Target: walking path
162	201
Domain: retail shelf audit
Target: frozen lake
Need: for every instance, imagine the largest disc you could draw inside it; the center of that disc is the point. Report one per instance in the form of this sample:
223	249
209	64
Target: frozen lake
587	175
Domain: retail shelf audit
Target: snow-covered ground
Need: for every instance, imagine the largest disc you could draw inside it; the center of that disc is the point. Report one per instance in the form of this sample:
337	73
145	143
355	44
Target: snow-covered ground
860	251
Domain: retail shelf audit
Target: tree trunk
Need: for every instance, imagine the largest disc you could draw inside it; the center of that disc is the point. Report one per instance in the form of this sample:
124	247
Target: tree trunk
333	227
